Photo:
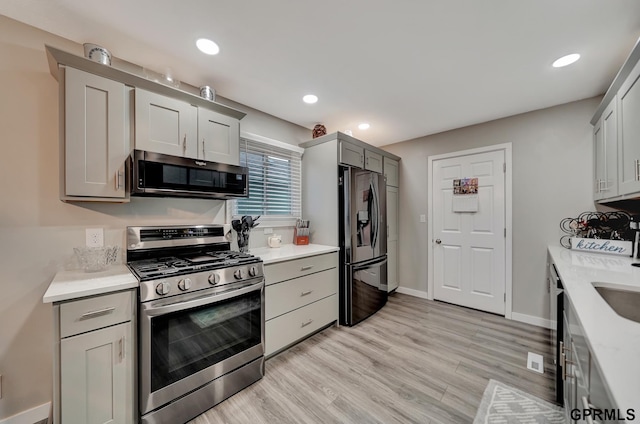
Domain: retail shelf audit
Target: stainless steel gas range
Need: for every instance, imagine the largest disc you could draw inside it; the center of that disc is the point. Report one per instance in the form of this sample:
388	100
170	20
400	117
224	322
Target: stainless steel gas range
201	319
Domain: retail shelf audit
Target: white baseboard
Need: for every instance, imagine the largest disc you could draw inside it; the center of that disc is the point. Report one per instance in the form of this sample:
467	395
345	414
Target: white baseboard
30	416
530	319
411	292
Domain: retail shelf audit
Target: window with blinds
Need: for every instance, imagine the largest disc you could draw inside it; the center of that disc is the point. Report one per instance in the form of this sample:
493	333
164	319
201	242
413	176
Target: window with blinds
274	182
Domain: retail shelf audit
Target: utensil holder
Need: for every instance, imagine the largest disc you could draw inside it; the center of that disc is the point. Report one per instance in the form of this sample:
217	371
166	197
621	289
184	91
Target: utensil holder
300	239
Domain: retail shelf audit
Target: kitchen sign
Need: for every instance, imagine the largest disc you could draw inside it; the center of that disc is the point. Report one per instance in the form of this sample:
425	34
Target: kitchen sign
611	247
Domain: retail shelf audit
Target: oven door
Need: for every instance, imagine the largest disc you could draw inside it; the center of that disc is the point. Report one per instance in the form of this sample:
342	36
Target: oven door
189	340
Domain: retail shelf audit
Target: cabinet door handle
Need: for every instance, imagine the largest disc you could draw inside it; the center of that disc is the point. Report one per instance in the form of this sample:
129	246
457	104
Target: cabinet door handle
305	293
98	313
120	178
306	268
637	164
203	153
304	324
121	354
184	144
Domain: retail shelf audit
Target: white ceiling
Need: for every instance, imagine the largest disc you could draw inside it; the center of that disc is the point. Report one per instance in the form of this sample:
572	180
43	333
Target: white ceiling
408	67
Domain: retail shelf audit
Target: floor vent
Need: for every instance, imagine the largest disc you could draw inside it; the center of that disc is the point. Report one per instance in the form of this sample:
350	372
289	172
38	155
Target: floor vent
535	362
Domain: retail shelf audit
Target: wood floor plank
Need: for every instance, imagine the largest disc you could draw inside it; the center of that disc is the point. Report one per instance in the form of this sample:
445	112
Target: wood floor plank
415	361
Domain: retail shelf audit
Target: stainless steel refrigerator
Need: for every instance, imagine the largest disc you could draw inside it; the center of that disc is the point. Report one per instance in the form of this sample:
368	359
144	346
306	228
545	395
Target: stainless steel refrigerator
363	244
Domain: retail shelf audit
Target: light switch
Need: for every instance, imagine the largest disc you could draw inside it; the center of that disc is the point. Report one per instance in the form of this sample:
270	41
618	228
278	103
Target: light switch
423	218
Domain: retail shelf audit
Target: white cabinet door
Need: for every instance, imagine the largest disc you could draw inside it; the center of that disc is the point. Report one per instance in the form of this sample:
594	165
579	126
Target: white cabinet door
598	161
391	171
392	238
350	154
629	133
96	377
218	137
373	161
165	125
95	139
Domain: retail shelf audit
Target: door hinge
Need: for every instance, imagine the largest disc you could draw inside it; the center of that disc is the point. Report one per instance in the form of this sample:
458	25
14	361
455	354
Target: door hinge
504	166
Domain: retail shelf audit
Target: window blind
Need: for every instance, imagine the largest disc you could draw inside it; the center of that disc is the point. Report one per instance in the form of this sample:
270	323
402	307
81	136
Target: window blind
275	173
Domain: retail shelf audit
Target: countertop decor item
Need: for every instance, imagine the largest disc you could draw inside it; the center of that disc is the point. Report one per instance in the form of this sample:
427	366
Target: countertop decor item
97	53
597	225
94	259
319	130
208	93
243	227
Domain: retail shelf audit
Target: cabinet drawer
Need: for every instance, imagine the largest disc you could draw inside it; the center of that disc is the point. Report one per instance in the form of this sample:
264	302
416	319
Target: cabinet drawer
293	294
96	312
282	271
288	328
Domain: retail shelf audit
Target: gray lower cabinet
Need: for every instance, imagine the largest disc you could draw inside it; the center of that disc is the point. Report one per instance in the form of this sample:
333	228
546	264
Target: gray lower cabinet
95	360
583	384
392	237
94	139
300	299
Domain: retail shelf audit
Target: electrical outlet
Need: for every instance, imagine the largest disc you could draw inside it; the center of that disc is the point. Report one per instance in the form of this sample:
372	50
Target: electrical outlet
268	230
95	237
423	218
535	362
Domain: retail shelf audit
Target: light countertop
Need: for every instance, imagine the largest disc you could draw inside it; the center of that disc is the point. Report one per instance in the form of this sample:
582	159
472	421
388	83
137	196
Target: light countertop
286	252
614	341
69	285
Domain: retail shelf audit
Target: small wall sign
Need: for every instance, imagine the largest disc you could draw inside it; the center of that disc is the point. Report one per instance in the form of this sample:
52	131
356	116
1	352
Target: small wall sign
611	247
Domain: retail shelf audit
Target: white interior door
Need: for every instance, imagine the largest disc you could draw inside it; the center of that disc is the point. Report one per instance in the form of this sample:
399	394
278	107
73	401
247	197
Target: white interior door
469	264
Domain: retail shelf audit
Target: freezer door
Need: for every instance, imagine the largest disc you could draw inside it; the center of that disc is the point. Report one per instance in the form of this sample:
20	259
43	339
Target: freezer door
367	221
366	288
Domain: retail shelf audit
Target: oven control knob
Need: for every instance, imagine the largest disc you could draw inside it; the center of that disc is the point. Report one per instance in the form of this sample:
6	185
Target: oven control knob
253	271
214	278
163	288
184	284
239	274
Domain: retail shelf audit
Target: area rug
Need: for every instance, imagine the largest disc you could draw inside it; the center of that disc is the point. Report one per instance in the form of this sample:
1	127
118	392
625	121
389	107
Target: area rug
502	404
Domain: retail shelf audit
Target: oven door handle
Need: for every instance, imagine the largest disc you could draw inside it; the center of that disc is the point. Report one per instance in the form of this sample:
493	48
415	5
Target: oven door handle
151	310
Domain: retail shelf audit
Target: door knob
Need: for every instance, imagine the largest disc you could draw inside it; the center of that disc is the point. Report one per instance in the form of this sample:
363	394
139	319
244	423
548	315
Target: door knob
438	241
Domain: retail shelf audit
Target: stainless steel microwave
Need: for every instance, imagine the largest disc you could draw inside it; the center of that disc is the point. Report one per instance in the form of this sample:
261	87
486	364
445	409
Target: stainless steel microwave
159	175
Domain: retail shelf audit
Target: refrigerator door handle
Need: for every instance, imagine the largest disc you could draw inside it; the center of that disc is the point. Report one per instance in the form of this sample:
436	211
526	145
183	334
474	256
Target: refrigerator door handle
368	264
376	216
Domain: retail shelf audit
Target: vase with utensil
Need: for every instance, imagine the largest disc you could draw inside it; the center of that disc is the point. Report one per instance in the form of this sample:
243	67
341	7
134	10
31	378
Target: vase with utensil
243	228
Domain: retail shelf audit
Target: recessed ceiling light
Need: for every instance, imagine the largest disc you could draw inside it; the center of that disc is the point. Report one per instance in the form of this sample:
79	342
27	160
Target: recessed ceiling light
310	98
207	46
566	60
364	126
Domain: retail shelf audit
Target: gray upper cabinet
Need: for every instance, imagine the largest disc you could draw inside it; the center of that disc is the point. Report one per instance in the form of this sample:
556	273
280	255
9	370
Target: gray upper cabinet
391	171
605	139
373	161
165	125
350	154
616	136
94	137
629	133
218	137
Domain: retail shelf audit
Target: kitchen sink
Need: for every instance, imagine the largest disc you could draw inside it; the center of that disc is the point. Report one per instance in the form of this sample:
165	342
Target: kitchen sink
625	303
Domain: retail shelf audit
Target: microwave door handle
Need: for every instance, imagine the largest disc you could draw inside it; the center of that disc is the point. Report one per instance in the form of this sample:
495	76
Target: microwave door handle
208	300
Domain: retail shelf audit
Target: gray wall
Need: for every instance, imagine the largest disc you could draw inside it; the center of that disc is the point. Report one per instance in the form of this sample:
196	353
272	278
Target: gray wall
552	174
38	231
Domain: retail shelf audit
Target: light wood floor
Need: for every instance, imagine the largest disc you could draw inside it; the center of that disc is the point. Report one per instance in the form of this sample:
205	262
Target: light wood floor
415	361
